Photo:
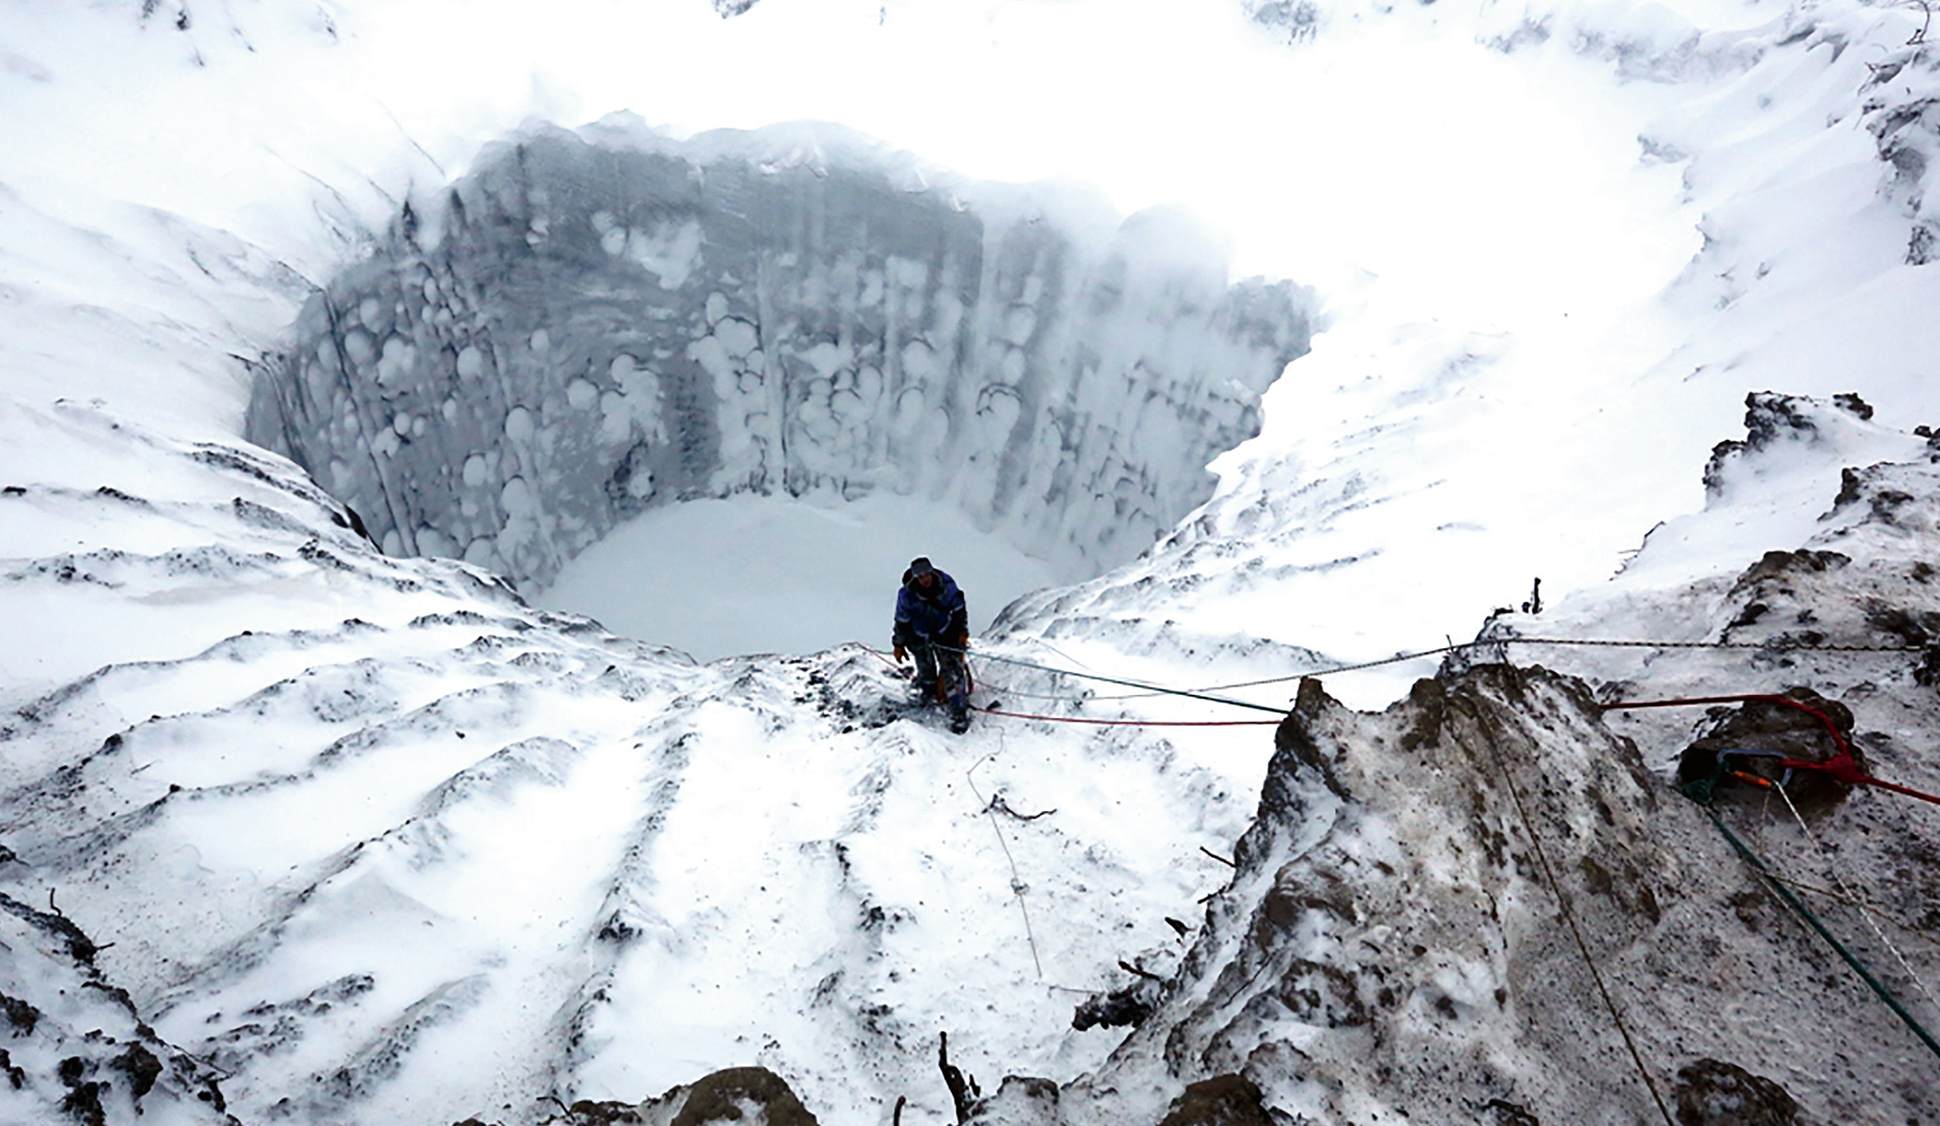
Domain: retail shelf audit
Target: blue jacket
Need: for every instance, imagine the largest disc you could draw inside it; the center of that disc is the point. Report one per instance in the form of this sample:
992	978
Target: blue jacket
939	614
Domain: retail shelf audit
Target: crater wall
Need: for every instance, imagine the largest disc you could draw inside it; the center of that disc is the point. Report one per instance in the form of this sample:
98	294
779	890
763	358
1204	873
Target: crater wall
590	324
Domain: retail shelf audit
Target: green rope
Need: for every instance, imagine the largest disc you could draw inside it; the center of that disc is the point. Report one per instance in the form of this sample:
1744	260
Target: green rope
1700	791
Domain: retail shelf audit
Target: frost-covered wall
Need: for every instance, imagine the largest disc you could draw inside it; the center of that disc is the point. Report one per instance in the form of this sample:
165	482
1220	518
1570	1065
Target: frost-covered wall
594	324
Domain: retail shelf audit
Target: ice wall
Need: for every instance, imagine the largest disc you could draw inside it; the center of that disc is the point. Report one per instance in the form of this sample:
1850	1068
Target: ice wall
590	324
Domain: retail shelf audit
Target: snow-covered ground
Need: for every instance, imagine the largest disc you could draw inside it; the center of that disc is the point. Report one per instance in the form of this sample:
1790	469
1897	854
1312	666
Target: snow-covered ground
383	844
753	574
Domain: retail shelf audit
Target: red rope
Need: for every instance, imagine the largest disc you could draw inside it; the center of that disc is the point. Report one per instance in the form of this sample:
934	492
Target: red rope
1899	789
1841	767
1137	722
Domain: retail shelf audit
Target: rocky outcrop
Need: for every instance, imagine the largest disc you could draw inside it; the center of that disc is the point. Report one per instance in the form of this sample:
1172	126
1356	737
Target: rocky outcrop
1712	1093
1391	939
593	325
1771	419
750	1096
1435	900
72	1047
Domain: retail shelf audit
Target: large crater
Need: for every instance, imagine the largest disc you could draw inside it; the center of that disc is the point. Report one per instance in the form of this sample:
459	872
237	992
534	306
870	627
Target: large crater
590	326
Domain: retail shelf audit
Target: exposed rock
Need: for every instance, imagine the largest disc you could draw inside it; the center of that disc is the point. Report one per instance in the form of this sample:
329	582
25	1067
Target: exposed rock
140	1068
1769	418
21	1015
1502	1112
1019	1101
1223	1100
1118	1008
588	1112
1338	963
1928	671
1891	497
1714	1093
746	1096
1765	731
1851	403
1776	564
1343	973
76	1049
728	1096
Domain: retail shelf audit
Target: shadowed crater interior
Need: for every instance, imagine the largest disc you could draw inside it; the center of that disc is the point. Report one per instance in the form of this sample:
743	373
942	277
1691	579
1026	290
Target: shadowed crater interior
593	325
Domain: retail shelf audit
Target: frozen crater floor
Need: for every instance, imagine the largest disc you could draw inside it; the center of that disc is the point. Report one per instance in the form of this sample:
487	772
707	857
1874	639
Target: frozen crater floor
756	574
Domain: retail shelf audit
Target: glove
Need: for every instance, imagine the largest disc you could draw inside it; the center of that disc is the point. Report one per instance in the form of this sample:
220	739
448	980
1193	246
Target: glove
900	655
963	641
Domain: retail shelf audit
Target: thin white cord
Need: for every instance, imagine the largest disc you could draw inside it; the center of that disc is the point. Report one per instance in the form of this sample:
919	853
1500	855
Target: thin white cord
1865	910
1017	886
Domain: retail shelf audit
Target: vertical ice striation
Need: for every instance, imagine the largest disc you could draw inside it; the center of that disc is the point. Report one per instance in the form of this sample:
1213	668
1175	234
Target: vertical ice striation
591	324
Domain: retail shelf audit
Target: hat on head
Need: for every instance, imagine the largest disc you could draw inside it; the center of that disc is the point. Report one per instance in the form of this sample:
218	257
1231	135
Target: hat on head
920	566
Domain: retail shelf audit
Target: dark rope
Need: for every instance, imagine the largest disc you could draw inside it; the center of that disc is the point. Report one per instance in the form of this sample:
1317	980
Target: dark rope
1569	916
1702	795
1158	688
1135	722
1401	658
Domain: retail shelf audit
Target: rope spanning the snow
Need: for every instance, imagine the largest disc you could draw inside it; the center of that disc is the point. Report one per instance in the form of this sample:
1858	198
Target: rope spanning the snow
1701	793
1464	646
1776	644
1096	722
1569	916
1017	885
1131	723
1329	670
1854	897
1155	688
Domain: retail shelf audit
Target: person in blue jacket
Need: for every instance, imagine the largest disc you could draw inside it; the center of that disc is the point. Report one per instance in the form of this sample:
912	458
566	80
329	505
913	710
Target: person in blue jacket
933	625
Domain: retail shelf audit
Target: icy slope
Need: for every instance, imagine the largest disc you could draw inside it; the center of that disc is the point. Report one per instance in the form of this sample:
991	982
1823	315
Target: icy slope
1393	944
76	1046
451	856
1430	458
